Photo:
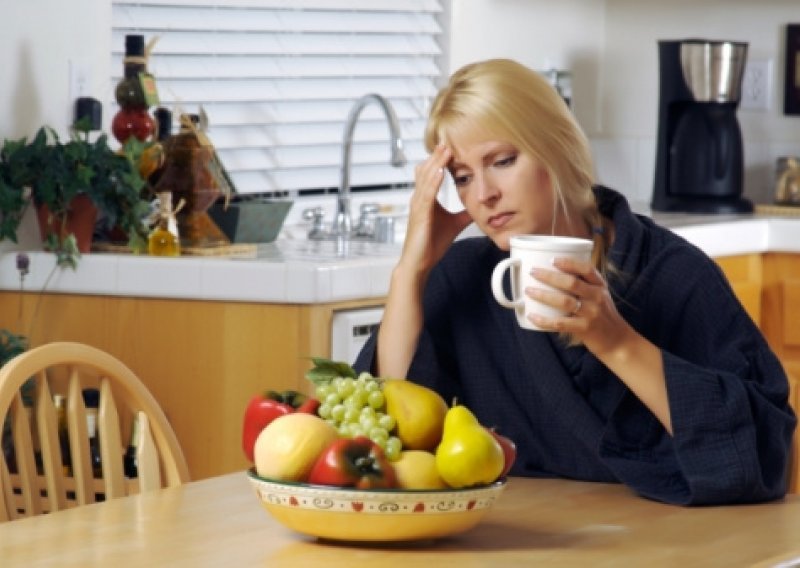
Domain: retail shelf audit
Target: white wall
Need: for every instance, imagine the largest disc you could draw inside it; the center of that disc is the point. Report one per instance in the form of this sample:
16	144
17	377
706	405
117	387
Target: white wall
629	122
611	47
542	34
39	40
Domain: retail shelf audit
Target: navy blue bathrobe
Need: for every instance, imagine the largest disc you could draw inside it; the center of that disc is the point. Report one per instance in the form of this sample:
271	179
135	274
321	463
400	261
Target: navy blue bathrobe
571	417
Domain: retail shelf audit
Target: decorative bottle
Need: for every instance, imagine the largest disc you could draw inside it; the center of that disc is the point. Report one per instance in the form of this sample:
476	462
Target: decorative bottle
135	93
189	173
151	164
164	239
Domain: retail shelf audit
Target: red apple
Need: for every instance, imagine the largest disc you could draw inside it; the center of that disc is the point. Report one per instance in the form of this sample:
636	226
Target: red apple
509	450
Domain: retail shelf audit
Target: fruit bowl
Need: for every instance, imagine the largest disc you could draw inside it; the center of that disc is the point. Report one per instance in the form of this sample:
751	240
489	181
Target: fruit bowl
345	514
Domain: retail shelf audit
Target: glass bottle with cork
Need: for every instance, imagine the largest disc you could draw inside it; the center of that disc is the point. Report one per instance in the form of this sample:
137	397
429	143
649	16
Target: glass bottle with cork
135	93
164	239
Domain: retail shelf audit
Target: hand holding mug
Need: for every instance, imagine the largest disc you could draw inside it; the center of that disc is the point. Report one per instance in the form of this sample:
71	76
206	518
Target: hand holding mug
529	252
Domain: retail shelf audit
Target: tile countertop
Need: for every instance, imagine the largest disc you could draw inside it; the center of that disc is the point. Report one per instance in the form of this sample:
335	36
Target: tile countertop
302	272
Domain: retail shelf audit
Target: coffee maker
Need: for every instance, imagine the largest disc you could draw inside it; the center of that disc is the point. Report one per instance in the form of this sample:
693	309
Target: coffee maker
699	154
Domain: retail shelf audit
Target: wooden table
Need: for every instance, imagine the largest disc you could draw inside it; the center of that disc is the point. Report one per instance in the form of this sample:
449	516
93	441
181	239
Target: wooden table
219	522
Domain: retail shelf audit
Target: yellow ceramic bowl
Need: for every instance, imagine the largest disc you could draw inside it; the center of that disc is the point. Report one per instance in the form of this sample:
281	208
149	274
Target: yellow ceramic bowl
374	515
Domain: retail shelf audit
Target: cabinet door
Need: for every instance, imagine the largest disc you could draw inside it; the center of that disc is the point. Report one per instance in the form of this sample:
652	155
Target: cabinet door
744	274
791	311
793	372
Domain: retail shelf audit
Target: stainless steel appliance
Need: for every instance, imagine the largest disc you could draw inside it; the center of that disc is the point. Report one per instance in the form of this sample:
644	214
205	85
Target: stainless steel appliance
699	151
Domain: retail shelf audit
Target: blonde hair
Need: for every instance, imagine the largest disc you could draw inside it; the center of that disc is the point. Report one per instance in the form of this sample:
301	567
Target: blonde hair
516	104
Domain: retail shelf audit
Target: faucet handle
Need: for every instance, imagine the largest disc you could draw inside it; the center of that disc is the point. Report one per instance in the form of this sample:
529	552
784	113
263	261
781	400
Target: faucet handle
369	209
366	222
316	215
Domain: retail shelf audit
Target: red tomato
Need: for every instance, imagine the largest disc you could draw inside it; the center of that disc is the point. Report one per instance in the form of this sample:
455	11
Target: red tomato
354	462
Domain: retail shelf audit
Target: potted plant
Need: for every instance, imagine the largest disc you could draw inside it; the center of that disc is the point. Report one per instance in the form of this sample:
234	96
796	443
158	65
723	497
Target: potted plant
66	177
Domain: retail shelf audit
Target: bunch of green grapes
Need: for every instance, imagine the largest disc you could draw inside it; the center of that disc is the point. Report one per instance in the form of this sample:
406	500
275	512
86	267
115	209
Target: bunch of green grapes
356	407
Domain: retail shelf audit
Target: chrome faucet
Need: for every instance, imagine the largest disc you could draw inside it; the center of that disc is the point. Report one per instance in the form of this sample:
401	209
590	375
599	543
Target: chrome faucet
342	226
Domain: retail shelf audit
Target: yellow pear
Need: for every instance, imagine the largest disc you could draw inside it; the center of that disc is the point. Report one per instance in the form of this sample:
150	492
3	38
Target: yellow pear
416	469
468	454
418	412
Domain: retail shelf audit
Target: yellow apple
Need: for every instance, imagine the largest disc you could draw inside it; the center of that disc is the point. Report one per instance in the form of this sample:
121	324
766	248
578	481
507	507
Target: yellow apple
287	447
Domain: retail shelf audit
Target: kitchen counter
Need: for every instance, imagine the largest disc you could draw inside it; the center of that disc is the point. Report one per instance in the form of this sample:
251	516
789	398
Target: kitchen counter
289	272
302	272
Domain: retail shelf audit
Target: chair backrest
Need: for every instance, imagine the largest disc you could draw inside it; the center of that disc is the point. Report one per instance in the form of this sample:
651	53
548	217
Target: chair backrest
47	459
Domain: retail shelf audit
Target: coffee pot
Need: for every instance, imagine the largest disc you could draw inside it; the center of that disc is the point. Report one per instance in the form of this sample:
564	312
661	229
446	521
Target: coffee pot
699	150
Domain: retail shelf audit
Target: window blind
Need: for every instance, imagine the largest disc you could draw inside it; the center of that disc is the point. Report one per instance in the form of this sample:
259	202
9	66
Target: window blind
277	80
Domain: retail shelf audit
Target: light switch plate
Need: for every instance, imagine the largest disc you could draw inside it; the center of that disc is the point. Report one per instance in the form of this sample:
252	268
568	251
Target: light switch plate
80	78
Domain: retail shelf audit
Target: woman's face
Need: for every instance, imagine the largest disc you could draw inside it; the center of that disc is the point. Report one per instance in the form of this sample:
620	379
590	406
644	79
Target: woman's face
505	191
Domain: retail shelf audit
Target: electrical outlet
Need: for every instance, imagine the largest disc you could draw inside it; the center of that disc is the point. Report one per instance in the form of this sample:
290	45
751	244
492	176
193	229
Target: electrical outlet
79	79
756	85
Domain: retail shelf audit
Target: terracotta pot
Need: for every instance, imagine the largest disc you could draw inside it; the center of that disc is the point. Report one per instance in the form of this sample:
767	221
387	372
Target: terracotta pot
81	218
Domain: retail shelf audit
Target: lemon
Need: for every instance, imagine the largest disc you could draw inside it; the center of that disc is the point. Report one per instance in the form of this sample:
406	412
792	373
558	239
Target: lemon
416	469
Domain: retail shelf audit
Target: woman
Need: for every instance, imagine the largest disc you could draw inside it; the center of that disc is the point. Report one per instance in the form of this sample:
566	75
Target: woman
657	378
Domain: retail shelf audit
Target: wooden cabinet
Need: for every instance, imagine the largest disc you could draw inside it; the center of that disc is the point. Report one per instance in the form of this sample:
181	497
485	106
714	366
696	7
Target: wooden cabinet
744	272
768	285
202	360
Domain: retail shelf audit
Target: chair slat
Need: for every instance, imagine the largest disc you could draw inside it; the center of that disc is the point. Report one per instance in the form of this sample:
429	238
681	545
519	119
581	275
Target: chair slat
147	457
7	512
79	441
47	426
23	451
110	442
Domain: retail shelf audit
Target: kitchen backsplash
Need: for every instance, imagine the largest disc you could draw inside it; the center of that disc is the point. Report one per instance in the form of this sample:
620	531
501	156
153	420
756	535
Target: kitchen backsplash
625	164
628	164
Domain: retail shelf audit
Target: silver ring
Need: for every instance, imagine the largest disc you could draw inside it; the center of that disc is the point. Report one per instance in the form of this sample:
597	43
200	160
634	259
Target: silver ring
577	307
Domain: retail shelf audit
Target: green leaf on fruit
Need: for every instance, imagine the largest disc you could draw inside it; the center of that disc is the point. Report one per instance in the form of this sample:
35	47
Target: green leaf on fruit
325	370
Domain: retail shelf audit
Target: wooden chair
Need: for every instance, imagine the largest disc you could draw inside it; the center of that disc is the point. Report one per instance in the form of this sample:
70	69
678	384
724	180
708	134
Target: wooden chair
36	481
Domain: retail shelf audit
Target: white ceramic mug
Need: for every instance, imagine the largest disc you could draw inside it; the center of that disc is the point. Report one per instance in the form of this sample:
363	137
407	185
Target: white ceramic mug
527	252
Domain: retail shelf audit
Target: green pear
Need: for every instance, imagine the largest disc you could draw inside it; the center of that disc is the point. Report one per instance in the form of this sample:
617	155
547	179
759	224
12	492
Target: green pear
418	412
468	453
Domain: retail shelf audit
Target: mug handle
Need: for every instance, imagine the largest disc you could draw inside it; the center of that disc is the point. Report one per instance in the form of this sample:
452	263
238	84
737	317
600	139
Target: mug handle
497	283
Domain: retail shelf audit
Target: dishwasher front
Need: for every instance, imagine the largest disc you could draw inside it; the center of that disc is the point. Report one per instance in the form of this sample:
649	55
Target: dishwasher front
350	330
